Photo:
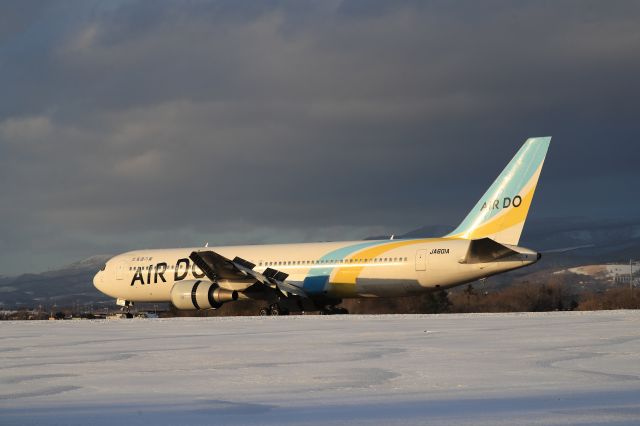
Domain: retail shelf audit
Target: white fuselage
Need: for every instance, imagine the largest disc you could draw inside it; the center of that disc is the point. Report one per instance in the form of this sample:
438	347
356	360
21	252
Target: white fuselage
382	268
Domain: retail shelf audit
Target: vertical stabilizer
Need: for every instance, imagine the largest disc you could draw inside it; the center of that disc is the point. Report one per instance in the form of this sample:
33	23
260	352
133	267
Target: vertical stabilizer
501	212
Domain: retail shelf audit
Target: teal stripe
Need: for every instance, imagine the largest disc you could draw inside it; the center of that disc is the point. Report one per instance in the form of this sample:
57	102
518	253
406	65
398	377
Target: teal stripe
317	280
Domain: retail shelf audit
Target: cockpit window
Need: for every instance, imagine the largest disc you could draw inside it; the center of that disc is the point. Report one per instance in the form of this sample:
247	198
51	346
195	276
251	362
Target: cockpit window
104	266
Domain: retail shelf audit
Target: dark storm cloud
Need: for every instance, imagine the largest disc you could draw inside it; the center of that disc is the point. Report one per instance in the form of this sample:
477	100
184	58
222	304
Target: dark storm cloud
139	124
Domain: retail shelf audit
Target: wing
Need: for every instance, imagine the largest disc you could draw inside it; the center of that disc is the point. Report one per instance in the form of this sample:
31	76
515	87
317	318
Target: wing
217	267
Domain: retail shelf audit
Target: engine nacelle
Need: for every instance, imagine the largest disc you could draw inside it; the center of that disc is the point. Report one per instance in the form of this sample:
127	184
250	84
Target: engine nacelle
200	294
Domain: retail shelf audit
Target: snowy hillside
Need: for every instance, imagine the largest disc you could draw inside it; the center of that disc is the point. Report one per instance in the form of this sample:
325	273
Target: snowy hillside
66	286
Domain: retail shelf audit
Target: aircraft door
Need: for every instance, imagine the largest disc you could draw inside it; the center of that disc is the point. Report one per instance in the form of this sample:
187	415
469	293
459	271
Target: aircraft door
120	271
421	260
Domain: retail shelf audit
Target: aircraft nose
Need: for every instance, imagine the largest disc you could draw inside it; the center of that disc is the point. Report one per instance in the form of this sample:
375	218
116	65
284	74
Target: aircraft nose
98	281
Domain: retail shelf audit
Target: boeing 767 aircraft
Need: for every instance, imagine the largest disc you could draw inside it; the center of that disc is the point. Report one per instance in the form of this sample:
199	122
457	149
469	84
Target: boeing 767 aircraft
317	276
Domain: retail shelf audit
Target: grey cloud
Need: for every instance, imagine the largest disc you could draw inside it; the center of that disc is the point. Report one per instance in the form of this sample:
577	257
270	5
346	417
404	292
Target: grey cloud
133	124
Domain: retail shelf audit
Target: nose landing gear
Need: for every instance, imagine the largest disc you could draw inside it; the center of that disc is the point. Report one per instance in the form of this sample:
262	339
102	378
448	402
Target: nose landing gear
125	307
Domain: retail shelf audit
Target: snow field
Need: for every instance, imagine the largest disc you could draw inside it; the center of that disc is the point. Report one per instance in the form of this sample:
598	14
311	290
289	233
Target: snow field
534	368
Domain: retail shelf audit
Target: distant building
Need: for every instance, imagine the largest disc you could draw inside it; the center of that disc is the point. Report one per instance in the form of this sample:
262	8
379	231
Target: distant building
615	273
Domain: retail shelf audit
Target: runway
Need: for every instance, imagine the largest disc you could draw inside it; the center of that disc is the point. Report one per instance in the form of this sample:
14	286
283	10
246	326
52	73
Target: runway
563	368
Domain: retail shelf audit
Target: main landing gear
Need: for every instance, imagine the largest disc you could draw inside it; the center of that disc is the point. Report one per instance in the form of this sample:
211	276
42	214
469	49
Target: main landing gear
333	310
276	309
273	310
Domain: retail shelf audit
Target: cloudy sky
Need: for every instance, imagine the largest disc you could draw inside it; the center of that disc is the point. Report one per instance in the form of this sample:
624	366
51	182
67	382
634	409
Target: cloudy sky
134	124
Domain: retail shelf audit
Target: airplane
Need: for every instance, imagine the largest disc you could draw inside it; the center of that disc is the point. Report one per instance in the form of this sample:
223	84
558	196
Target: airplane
318	276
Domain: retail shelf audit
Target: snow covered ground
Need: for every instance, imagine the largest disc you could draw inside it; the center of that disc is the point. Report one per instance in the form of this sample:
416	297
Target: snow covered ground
550	368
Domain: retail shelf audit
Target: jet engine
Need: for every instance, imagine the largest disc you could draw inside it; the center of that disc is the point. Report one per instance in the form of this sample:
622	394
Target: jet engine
200	294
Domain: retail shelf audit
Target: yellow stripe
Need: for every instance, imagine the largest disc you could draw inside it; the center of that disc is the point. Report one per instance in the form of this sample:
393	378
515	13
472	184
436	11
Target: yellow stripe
506	218
510	218
348	275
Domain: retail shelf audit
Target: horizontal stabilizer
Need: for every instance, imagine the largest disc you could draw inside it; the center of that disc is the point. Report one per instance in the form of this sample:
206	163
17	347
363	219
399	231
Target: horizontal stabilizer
486	250
566	249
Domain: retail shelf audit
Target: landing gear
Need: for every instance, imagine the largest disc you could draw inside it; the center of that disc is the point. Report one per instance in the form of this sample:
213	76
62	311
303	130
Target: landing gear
273	310
333	310
125	308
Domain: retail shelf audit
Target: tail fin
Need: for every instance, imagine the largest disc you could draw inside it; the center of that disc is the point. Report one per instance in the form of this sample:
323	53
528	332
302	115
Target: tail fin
502	210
